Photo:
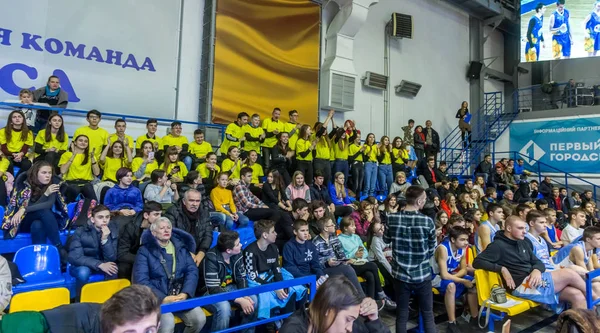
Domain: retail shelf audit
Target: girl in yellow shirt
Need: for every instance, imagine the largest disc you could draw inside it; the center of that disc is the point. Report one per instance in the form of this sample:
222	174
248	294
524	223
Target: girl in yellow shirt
399	156
222	198
304	152
174	168
232	164
114	157
144	163
209	171
357	166
370	157
79	167
340	149
15	140
51	142
384	157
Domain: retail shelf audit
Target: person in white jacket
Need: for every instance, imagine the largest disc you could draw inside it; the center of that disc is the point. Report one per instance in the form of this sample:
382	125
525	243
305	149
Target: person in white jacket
381	253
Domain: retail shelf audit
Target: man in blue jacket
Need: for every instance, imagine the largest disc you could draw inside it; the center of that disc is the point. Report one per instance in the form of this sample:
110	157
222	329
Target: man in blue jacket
300	256
223	270
165	264
93	248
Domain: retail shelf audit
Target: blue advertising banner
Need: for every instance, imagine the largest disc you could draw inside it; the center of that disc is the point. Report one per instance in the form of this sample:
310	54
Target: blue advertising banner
569	145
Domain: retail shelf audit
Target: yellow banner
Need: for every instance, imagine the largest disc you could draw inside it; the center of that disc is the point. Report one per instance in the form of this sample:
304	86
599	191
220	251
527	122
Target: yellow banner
266	56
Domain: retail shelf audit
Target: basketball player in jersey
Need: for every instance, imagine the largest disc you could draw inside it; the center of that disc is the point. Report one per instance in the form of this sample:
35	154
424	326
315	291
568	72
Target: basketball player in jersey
450	277
487	229
560	28
534	34
592	31
537	225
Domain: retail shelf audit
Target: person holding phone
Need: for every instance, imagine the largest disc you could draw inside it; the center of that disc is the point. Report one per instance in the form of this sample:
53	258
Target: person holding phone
233	164
174	168
145	162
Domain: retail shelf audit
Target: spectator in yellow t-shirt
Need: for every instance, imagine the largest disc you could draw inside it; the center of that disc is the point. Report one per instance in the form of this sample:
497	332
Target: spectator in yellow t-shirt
198	149
97	136
178	141
145	162
255	135
51	142
151	127
174	168
257	172
234	133
272	127
78	167
115	155
15	140
120	127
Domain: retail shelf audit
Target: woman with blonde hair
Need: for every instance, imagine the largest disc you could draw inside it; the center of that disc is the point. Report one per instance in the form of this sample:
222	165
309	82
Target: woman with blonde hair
298	188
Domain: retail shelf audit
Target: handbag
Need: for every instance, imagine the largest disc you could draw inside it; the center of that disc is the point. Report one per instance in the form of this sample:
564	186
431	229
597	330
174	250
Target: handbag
497	296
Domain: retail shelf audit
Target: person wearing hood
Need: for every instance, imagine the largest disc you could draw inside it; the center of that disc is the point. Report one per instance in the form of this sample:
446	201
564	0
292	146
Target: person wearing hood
93	248
124	198
130	237
52	95
524	275
37	206
187	216
164	264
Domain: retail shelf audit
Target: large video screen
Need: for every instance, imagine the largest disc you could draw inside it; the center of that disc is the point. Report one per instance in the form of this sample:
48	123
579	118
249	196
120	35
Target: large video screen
563	29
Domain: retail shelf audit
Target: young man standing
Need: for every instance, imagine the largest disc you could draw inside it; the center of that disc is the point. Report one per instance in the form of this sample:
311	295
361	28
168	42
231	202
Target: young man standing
272	126
98	137
450	274
224	271
575	227
93	248
293	128
537	225
300	256
134	309
120	127
234	133
413	239
130	237
254	135
487	229
524	274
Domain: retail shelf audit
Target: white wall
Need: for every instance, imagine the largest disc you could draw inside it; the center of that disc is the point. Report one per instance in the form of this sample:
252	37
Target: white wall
493	48
437	57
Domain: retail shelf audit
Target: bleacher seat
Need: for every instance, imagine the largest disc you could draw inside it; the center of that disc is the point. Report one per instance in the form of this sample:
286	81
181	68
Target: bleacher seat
40	267
100	292
215	238
39	300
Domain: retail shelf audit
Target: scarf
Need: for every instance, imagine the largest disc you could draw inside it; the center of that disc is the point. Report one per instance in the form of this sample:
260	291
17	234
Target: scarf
50	93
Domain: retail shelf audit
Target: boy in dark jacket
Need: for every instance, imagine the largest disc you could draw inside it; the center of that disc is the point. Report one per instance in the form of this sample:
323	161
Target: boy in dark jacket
130	237
165	264
224	271
93	248
300	256
512	257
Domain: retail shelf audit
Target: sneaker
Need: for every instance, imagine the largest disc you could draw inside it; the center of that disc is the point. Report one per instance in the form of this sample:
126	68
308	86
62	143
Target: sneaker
452	328
389	304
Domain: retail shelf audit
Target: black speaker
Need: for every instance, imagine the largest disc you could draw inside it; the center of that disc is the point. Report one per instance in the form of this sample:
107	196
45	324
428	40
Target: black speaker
474	70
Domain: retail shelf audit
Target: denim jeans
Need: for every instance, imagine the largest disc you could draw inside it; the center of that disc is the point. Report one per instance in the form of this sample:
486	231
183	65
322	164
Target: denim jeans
241	222
193	319
370	178
217	219
385	176
188	162
424	297
221	313
42	225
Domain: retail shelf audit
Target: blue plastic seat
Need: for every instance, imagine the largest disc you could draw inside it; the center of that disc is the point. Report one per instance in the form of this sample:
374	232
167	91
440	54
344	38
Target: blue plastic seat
40	267
215	237
71	209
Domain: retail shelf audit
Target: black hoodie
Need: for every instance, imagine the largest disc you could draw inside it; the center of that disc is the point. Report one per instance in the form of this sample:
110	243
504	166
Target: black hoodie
515	255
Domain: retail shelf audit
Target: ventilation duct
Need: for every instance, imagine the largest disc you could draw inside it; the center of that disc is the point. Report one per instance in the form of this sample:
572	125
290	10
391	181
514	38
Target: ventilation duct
402	26
375	81
408	88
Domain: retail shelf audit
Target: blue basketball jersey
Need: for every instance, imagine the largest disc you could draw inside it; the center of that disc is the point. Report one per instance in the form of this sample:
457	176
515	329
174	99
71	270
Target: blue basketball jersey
452	263
561	258
540	249
493	231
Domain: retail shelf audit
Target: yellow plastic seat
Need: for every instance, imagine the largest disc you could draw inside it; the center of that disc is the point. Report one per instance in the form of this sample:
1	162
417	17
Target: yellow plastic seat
100	292
40	300
484	282
435	291
206	312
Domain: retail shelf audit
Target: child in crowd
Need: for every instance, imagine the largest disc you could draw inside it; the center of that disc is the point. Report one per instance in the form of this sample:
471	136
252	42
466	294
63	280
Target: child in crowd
553	232
381	254
15	141
300	256
575	227
298	188
537	225
363	217
51	142
98	136
26	97
233	164
487	229
151	128
257	171
113	157
355	250
78	167
450	277
120	127
174	168
198	149
145	161
262	265
209	171
161	189
255	135
222	198
273	192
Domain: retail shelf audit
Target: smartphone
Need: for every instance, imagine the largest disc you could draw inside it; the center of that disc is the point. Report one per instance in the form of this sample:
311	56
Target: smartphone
342	260
151	155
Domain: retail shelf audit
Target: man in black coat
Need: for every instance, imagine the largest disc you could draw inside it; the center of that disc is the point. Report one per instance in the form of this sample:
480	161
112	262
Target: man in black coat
528	191
93	248
188	217
432	141
546	187
485	168
129	239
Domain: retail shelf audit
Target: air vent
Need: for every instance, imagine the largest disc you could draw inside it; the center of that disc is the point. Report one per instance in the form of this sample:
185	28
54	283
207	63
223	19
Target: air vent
342	91
376	81
408	88
402	26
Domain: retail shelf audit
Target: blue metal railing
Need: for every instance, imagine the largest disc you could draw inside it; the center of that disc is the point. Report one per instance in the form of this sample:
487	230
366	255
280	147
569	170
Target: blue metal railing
212	299
140	119
588	289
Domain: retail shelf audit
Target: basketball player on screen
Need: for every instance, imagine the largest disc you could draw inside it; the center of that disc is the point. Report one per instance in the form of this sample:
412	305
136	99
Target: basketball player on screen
560	28
534	34
592	31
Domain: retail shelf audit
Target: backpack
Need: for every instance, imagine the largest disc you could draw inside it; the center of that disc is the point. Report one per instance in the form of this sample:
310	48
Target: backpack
83	205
